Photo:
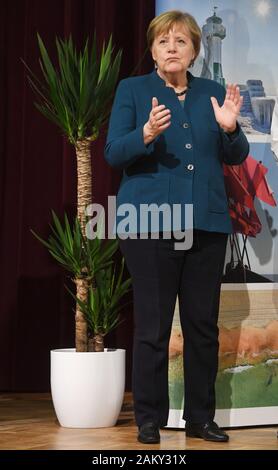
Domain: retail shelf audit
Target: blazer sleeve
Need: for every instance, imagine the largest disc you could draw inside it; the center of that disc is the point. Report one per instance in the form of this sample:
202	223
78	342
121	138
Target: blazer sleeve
125	141
235	146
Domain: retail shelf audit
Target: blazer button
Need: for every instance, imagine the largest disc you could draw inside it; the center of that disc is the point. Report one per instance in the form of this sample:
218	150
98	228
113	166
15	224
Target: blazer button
190	167
188	146
185	125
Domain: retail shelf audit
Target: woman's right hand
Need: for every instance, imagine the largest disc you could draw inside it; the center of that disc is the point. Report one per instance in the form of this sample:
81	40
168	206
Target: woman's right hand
159	120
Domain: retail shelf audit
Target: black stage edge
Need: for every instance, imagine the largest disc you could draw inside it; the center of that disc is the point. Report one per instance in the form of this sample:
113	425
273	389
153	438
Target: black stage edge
128	459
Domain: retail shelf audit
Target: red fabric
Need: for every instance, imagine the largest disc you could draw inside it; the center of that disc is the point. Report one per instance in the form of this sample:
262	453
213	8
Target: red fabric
253	176
235	187
265	193
243	183
245	221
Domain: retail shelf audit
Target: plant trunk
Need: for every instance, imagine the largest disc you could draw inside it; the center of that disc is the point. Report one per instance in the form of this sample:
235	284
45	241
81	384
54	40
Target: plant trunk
91	344
98	343
84	198
84	180
91	338
81	340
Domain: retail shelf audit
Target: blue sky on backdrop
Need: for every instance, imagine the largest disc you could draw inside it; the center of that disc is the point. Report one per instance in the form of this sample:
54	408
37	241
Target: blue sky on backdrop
250	48
249	51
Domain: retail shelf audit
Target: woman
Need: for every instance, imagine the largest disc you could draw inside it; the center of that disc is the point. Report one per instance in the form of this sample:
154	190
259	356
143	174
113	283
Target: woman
170	132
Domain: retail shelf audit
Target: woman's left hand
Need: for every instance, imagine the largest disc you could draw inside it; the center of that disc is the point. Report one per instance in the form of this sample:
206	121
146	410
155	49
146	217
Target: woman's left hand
227	114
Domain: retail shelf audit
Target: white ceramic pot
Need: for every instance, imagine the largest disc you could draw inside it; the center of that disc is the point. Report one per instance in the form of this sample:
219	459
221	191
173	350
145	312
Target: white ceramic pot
87	387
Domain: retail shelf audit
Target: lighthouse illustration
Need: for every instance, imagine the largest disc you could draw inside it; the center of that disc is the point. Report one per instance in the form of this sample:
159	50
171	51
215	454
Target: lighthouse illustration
213	32
257	108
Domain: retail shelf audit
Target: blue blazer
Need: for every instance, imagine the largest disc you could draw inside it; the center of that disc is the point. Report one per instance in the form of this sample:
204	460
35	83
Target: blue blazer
184	163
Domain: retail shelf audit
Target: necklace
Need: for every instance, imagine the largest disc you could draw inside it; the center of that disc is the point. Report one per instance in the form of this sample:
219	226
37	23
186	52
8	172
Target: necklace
181	92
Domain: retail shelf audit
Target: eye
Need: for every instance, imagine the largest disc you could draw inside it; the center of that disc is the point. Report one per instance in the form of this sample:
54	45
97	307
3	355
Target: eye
162	41
181	40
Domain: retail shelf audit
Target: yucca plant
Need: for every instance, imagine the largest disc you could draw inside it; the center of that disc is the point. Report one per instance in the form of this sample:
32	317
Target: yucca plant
90	259
77	97
102	310
80	255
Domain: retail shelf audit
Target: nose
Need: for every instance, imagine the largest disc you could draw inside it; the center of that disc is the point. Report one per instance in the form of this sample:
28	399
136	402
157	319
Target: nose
171	45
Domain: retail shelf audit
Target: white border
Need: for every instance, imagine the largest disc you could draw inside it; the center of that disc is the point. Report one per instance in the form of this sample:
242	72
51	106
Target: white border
250	286
234	417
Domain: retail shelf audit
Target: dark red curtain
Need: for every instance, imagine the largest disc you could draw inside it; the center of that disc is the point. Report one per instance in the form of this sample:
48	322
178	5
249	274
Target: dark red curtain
38	173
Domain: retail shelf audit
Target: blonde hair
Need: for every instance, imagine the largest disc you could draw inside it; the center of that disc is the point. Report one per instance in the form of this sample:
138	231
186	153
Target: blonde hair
164	22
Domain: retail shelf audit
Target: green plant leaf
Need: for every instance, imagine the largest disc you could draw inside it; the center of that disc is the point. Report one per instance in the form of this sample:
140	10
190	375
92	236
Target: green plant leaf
77	95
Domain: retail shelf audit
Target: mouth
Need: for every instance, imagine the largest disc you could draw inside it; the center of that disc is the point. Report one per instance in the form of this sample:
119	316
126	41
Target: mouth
173	58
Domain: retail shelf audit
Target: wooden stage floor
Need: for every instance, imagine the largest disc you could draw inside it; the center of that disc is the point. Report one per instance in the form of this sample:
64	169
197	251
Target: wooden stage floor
28	421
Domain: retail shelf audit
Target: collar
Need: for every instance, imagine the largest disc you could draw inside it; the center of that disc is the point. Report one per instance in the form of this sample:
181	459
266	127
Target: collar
167	96
160	80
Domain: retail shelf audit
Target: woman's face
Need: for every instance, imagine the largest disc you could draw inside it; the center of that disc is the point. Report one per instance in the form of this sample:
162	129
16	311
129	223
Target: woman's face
173	51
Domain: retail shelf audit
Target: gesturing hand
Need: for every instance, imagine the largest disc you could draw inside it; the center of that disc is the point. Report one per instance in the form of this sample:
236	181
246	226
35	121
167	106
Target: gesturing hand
159	120
227	114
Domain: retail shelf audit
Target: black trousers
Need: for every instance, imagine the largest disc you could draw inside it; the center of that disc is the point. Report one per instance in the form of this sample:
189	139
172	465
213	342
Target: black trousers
159	273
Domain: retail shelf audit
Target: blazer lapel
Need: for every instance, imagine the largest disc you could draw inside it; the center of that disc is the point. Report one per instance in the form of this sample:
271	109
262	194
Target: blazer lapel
166	95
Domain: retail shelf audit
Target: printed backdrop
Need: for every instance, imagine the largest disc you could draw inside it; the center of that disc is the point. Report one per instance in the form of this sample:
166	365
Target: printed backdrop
239	45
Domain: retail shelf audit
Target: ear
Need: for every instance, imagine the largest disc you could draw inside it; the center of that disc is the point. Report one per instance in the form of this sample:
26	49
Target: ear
153	54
